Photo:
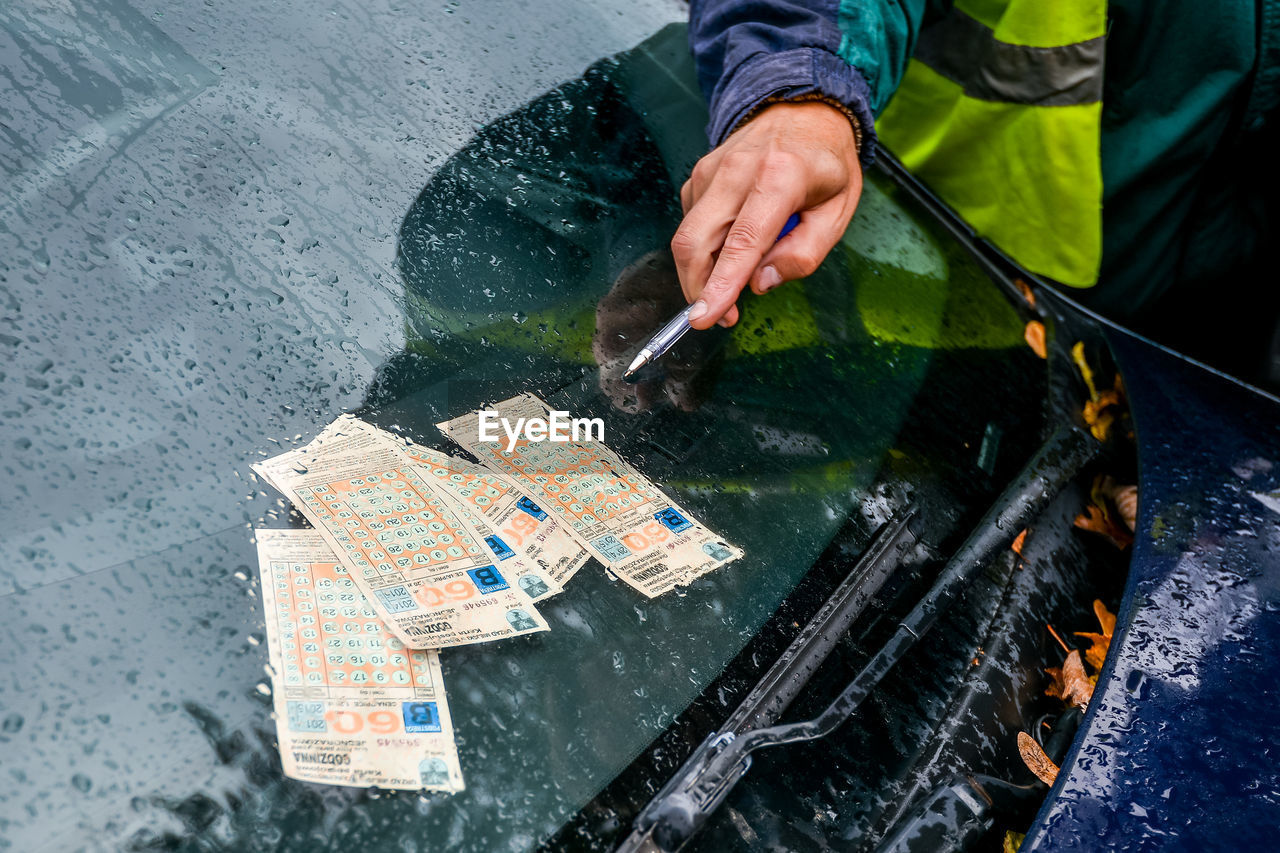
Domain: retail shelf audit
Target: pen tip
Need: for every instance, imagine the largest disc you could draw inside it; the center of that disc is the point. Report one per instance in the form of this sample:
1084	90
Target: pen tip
638	362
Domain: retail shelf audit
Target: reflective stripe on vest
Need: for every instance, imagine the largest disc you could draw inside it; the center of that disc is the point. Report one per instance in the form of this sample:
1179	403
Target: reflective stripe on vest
1000	113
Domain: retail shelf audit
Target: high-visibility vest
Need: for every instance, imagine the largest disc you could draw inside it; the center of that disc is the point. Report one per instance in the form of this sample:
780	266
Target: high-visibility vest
1000	114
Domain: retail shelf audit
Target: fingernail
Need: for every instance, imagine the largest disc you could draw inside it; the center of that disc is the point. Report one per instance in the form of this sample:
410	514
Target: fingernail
723	322
697	309
769	279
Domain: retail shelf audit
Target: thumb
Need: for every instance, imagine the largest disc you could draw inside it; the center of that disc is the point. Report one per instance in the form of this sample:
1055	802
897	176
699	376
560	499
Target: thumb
800	253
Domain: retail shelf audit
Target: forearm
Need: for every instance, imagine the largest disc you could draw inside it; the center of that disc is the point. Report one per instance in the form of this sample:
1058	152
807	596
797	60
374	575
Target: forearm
750	52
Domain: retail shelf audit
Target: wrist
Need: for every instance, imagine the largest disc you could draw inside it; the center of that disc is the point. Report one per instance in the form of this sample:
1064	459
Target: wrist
767	78
813	102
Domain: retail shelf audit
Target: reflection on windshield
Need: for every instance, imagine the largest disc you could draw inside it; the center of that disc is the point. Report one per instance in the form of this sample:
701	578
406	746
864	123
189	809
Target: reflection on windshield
138	713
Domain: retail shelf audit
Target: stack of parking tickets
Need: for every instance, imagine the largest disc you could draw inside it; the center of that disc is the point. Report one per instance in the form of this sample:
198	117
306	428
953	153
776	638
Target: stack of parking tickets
414	550
643	536
407	541
353	705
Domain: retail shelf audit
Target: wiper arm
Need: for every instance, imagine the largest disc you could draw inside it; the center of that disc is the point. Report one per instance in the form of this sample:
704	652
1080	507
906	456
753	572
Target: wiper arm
692	795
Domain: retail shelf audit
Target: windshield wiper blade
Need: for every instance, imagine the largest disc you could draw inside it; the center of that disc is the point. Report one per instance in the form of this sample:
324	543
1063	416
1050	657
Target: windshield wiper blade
776	689
693	794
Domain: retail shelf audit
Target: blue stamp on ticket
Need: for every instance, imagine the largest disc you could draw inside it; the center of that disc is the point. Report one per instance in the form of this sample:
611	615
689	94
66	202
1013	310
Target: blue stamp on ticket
611	547
420	717
673	520
531	508
396	599
306	717
499	548
488	579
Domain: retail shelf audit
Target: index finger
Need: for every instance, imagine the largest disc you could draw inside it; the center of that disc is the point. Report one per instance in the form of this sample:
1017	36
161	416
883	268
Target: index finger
753	233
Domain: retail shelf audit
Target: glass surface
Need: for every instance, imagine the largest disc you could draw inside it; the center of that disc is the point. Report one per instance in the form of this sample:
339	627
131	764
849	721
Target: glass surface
222	225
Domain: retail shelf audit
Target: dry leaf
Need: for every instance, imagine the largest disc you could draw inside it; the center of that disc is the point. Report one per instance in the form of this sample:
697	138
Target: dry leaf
1101	413
1106	619
1061	642
1096	653
1096	520
1070	682
1099	518
1026	291
1102	410
1036	760
1012	841
1093	518
1016	547
1099	643
1103	407
1086	372
1126	500
1034	335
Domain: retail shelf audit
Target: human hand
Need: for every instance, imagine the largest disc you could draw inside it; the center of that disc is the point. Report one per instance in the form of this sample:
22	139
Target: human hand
791	157
643	298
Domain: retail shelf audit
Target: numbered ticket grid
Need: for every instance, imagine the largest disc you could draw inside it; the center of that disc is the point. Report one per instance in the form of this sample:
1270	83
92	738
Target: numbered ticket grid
428	576
353	705
521	525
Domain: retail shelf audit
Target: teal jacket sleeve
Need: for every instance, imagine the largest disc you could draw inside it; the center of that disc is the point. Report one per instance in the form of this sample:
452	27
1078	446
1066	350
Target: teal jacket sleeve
751	51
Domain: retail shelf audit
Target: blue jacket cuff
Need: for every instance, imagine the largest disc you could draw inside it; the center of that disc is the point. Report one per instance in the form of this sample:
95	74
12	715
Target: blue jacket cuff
786	75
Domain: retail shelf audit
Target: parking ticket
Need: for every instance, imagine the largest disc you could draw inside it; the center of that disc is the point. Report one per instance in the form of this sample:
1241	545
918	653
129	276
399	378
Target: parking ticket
520	527
353	705
428	574
531	578
643	536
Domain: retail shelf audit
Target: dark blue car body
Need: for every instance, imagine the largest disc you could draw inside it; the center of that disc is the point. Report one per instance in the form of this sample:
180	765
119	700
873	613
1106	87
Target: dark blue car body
1177	748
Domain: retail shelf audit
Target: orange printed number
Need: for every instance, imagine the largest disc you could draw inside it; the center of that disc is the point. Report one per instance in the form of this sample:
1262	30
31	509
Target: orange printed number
383	722
351	722
432	596
345	722
522	525
651	534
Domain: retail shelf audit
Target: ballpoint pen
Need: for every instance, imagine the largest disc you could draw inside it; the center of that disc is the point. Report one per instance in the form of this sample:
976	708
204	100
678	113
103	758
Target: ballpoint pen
667	336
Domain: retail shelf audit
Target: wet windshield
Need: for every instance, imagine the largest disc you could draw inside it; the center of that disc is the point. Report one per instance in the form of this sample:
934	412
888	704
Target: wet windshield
222	226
